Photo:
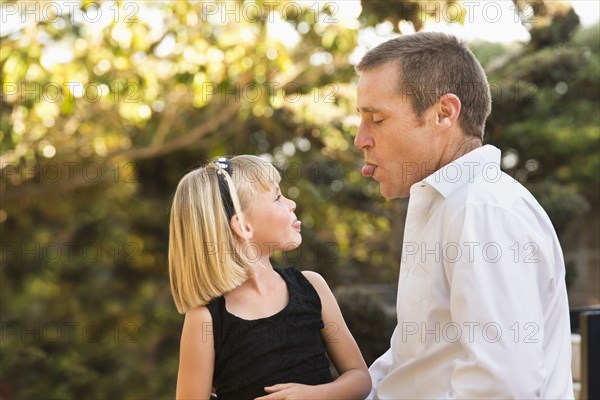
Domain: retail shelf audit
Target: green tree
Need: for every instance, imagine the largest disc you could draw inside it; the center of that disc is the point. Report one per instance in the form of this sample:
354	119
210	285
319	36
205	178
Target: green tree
104	106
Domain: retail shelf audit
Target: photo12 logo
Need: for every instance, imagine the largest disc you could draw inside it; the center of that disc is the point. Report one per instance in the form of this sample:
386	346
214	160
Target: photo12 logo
471	332
273	92
471	252
265	11
68	171
54	252
89	12
68	332
56	92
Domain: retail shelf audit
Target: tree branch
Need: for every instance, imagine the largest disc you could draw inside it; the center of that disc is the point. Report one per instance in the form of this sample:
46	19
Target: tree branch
158	149
211	124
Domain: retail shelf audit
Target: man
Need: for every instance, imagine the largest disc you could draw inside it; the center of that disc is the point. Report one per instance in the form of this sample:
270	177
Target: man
482	303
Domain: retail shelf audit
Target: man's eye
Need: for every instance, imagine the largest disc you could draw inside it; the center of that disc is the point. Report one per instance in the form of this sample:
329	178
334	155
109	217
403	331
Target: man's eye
377	121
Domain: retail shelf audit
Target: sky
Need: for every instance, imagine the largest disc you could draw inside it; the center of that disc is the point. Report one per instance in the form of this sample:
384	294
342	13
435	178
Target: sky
496	21
487	20
491	20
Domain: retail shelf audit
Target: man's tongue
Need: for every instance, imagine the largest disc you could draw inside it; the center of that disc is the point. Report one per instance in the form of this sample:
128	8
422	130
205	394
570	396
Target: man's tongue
368	170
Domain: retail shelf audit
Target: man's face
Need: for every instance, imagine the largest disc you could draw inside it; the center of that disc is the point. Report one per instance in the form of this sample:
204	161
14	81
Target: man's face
400	148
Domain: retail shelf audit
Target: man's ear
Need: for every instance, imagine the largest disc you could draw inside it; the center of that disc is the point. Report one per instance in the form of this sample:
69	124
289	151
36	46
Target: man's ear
448	110
243	231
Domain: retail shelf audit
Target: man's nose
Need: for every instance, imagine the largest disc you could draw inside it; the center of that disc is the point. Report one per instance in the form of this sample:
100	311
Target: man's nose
362	140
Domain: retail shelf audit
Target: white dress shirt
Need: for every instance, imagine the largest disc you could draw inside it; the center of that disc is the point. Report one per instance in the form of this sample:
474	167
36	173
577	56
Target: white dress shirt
482	302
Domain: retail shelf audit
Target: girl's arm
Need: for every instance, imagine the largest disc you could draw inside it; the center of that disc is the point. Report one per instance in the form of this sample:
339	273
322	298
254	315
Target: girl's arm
354	381
196	356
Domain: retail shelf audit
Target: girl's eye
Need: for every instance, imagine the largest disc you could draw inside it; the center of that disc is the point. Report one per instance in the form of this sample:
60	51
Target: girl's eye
278	197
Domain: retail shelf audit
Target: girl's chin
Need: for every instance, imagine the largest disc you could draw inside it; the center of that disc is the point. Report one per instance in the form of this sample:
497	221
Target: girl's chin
293	244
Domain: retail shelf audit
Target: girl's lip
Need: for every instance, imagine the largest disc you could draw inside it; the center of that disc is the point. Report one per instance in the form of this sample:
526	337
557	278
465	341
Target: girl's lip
296	225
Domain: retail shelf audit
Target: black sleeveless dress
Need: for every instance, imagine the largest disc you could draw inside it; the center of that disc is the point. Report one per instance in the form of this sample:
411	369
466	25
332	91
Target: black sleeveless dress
284	348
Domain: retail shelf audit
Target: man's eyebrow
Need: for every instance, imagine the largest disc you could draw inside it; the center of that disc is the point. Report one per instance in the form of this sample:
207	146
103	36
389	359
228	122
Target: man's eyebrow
367	109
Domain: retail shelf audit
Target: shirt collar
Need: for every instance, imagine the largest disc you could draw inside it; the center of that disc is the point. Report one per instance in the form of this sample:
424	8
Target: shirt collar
464	169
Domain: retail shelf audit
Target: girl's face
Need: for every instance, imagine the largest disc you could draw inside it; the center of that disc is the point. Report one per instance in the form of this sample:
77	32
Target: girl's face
273	222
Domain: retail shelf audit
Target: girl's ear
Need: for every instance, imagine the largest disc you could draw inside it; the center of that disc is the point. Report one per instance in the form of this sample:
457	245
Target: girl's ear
243	231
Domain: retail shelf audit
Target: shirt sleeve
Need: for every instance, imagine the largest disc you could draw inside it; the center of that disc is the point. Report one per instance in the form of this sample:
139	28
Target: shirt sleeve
380	368
497	287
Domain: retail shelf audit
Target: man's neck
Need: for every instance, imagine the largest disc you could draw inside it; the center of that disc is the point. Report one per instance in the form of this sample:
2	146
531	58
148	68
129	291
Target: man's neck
460	148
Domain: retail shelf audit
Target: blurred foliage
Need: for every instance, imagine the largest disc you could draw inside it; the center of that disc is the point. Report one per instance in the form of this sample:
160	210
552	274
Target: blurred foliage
371	323
549	22
546	118
417	13
100	119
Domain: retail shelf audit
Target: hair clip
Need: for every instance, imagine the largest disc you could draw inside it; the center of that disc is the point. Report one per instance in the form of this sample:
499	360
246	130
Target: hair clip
224	164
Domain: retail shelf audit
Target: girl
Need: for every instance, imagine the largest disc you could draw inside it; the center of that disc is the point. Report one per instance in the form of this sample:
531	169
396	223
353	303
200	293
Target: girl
251	331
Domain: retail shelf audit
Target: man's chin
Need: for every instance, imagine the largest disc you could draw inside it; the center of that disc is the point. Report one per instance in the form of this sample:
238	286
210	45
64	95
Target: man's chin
391	193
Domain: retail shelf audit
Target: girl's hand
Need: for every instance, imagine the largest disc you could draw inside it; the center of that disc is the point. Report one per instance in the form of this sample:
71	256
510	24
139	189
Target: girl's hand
290	391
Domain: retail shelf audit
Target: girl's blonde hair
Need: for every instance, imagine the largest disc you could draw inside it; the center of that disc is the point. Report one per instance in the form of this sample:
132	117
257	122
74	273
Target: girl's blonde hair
205	256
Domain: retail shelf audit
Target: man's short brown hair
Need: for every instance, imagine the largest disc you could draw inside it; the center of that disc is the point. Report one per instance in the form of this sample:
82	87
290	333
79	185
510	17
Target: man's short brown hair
431	64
